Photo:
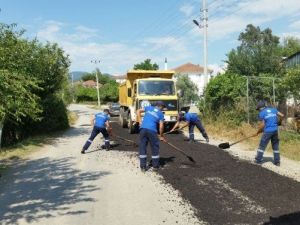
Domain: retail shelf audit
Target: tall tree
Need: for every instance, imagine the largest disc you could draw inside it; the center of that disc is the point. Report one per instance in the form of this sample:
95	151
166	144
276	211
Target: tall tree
258	52
16	99
189	88
146	65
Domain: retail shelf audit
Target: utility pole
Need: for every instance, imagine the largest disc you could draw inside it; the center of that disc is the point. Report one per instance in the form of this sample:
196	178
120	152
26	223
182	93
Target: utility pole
98	95
205	25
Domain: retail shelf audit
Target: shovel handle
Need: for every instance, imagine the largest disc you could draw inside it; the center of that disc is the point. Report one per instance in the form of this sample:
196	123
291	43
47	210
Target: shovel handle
180	128
245	138
173	146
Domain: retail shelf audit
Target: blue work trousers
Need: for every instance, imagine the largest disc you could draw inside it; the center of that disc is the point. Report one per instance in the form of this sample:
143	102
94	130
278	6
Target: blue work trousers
200	127
95	132
147	136
266	137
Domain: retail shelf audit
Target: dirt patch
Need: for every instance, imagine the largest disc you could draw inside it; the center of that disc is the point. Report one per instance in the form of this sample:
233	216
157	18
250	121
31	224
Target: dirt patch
224	189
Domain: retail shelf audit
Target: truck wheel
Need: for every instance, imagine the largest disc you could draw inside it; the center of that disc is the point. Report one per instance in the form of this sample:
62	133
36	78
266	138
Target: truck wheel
131	127
122	120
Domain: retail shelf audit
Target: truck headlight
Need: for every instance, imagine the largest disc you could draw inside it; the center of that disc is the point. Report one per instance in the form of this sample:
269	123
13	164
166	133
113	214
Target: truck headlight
173	118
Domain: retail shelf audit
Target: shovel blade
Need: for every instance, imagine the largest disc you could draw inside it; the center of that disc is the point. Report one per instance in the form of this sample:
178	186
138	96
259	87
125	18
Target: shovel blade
224	145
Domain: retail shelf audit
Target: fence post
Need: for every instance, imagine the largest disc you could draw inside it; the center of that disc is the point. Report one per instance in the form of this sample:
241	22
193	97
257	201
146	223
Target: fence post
274	97
248	113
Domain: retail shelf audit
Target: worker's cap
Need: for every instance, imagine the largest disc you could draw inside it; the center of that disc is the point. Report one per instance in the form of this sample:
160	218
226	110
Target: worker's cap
160	103
260	104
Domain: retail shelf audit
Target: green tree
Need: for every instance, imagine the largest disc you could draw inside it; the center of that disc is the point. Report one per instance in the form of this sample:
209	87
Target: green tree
88	76
146	65
189	88
46	67
109	90
16	99
224	91
258	52
290	46
291	83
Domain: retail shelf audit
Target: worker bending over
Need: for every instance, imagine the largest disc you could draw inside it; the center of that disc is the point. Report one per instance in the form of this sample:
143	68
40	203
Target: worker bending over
269	118
153	118
100	124
191	120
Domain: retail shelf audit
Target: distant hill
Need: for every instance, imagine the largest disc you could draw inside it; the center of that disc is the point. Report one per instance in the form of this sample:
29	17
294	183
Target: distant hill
76	75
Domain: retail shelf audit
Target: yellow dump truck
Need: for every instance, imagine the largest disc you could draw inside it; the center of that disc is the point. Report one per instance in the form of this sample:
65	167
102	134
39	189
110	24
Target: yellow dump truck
143	88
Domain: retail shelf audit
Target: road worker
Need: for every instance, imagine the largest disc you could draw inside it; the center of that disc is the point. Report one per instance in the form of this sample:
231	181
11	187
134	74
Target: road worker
100	124
153	118
269	118
191	120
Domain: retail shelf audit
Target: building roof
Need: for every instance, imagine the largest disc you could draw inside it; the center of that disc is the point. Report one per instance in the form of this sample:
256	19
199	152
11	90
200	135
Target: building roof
190	68
91	83
291	56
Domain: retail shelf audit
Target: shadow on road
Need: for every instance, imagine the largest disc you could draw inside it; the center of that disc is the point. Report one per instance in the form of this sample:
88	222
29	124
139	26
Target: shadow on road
289	219
43	188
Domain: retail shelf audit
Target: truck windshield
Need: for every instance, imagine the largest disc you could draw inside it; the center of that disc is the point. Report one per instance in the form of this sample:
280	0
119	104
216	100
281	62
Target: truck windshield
156	87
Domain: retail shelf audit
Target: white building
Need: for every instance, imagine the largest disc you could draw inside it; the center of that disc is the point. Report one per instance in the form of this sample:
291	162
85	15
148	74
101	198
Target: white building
119	78
195	73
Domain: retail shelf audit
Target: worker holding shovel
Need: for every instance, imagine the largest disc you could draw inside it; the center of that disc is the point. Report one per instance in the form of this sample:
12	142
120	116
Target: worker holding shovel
148	133
100	125
269	118
191	120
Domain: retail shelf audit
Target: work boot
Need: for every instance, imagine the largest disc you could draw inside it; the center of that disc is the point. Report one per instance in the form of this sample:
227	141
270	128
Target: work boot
191	141
207	140
258	162
277	163
143	169
82	151
155	169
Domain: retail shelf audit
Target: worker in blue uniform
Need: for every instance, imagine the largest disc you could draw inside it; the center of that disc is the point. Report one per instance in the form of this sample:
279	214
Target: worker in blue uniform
153	118
269	118
191	120
100	124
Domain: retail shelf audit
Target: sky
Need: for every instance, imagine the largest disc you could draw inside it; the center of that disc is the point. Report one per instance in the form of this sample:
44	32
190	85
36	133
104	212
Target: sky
121	33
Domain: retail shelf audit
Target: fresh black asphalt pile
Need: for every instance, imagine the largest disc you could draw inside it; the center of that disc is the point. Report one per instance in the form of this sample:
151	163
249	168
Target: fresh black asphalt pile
222	189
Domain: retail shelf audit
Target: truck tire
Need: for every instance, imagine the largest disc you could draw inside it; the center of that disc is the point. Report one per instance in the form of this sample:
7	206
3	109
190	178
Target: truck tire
122	120
131	127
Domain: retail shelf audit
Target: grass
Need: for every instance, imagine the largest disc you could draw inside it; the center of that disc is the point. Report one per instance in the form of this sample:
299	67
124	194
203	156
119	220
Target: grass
289	140
73	117
22	149
28	146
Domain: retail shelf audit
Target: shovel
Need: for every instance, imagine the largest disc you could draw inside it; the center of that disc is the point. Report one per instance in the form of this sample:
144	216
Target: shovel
227	145
182	152
180	128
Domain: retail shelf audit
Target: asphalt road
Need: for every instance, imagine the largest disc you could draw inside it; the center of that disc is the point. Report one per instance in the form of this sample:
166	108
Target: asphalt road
223	189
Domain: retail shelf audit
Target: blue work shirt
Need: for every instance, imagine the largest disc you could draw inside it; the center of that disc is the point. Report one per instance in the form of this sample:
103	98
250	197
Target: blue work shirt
100	119
190	117
152	117
269	116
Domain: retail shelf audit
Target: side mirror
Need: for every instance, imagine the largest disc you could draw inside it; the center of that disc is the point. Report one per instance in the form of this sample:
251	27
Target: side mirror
129	92
180	93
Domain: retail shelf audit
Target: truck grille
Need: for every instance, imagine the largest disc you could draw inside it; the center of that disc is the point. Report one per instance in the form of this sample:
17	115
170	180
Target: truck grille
171	105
